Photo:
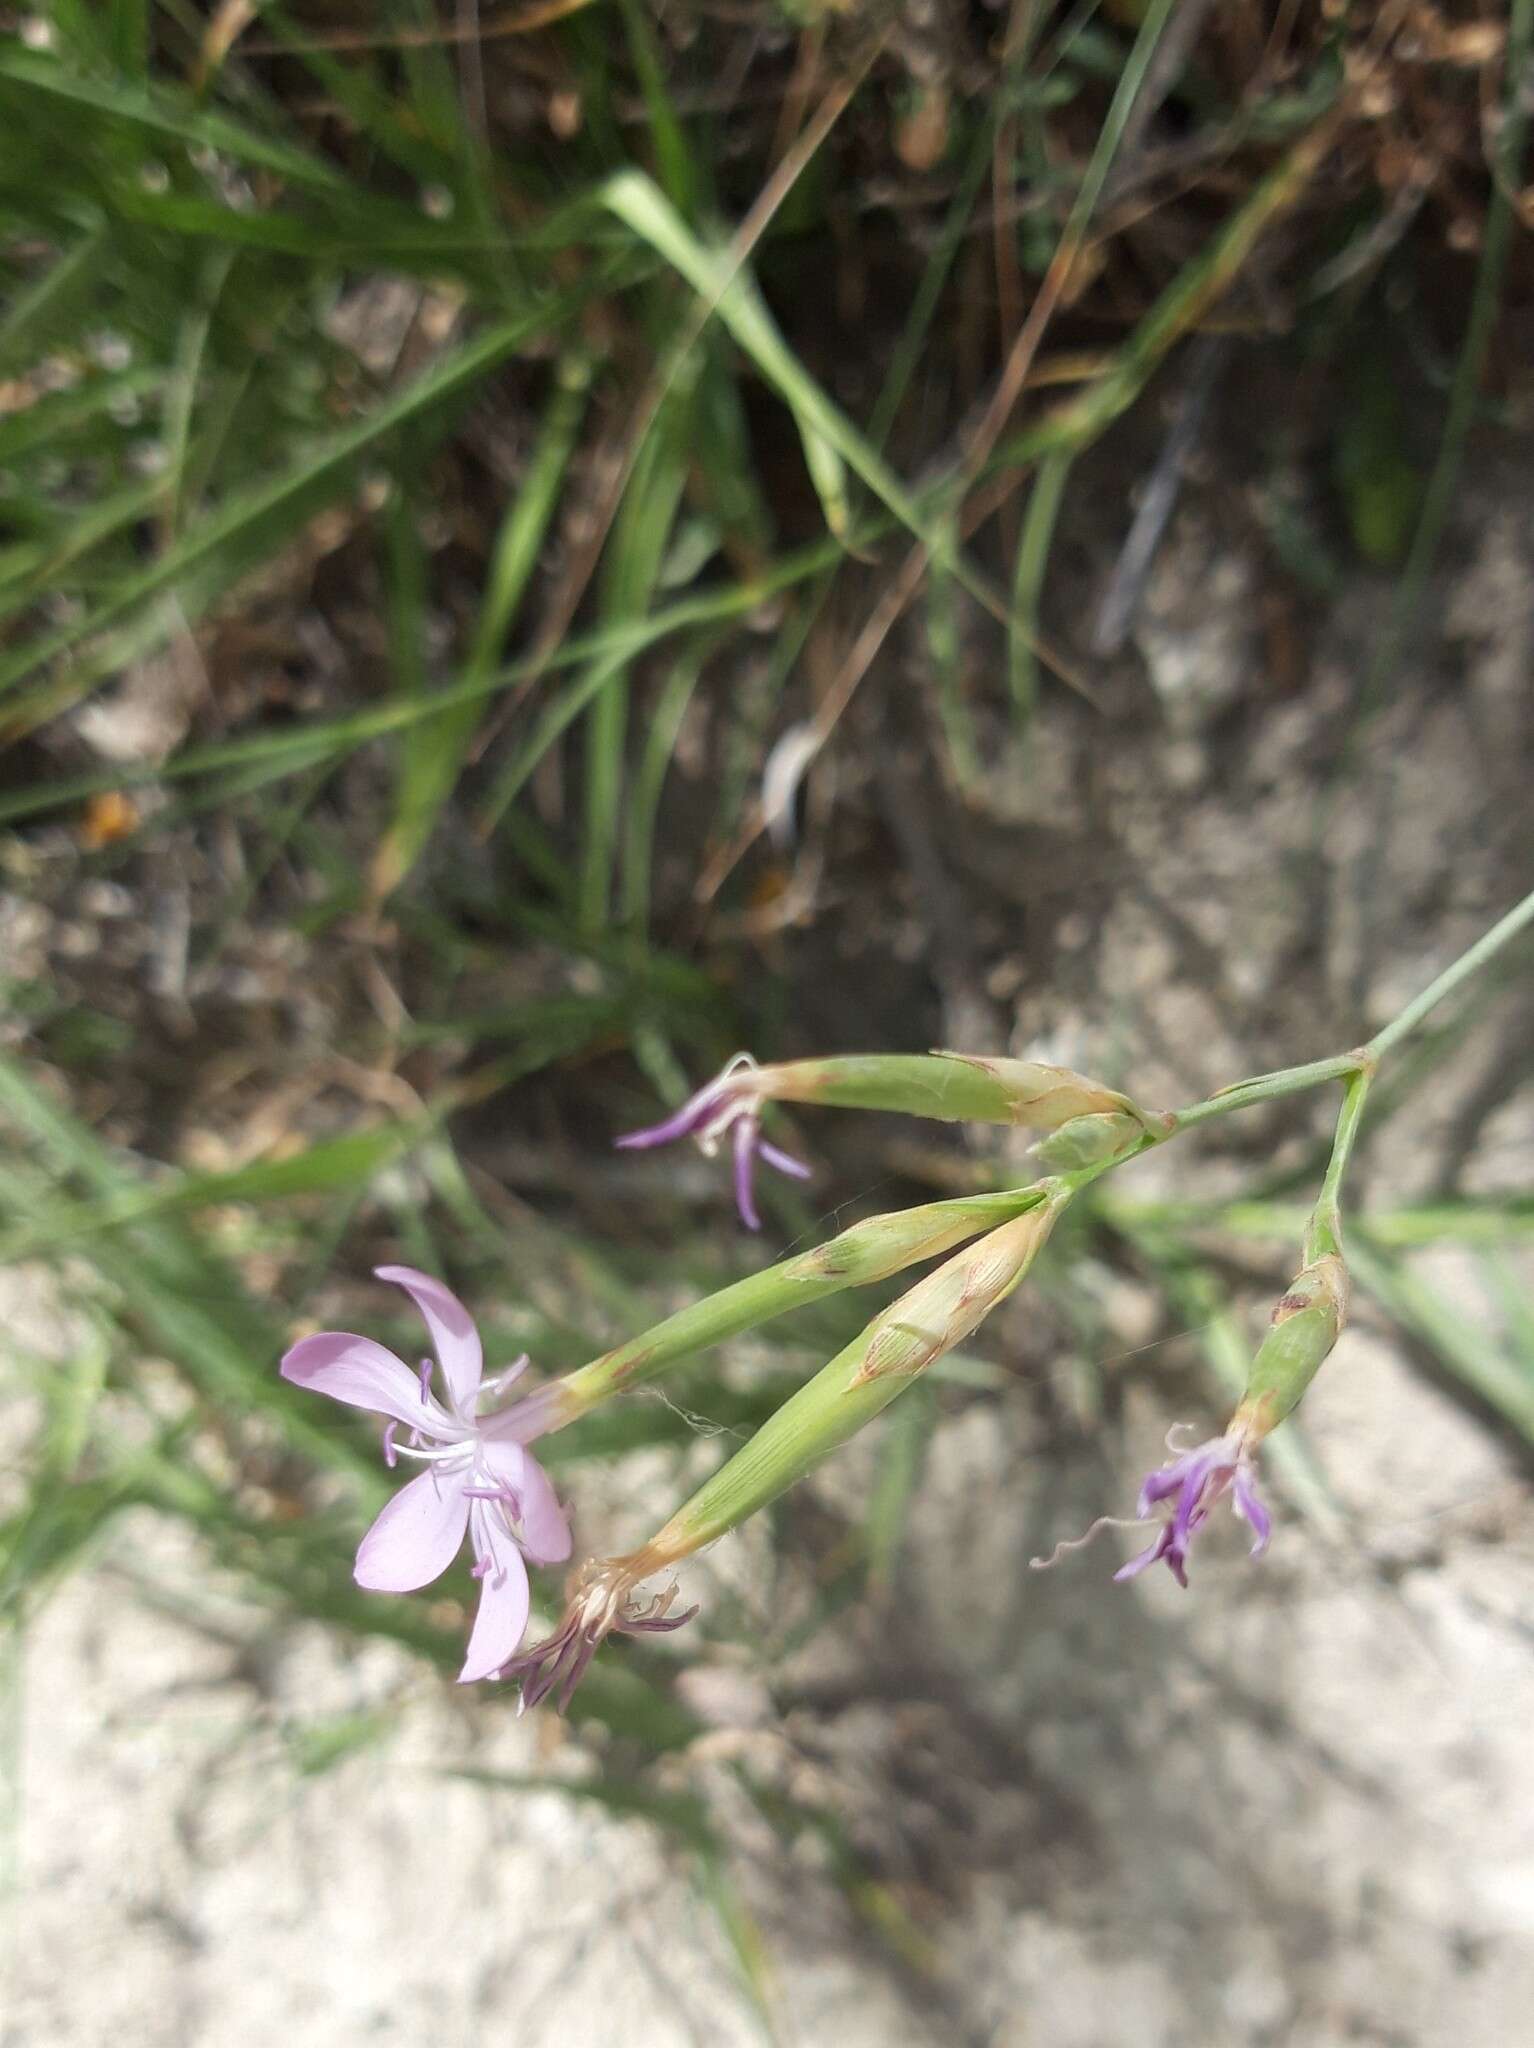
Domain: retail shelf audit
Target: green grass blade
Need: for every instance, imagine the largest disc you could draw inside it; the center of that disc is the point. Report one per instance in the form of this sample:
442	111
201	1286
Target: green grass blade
665	724
172	116
300	491
58	298
291	751
431	763
727	289
1028	582
332	1165
680	174
635	554
1467	1353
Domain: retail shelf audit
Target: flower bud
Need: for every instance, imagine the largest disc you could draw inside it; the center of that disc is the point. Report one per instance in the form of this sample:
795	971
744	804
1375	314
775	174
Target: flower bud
1089	1141
941	1310
1306	1324
862	1254
929	1319
952	1087
883	1245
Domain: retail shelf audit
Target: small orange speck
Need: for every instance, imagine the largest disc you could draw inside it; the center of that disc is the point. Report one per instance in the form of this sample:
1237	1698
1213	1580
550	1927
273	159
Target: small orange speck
110	816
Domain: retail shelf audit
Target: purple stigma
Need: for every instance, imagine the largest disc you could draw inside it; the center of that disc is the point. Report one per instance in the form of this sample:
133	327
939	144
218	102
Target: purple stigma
749	1146
1248	1504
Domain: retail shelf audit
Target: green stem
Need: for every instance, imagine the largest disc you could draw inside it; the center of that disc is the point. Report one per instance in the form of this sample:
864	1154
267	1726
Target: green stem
1324	1232
1467	964
1264	1088
1357	1066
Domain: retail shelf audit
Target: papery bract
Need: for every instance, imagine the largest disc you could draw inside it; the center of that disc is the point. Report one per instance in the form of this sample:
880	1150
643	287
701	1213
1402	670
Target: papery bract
603	1602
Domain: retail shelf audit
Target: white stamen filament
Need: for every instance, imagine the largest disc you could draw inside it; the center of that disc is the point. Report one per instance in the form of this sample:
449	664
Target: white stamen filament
436	1454
499	1382
1070	1543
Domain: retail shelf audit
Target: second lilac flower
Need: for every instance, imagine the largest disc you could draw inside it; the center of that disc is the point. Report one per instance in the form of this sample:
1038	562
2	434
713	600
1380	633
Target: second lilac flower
730	1105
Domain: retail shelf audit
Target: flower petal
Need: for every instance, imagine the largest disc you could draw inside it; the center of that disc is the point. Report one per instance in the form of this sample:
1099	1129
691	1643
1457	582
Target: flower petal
363	1374
507	1462
543	1528
1248	1504
745	1140
531	1417
785	1162
1161	1484
694	1112
453	1335
504	1598
417	1535
1144	1559
545	1525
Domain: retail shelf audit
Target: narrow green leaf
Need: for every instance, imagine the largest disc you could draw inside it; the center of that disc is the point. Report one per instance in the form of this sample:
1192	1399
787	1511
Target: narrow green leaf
167	114
430	765
348	1161
644	800
1028	582
635	553
1466	1352
301	489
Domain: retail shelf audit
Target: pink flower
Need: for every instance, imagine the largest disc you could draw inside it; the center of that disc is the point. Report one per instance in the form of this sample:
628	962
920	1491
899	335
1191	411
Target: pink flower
480	1478
730	1104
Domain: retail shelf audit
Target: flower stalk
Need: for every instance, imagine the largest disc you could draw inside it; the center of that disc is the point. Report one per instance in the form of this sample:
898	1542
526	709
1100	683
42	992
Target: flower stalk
1323	1233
